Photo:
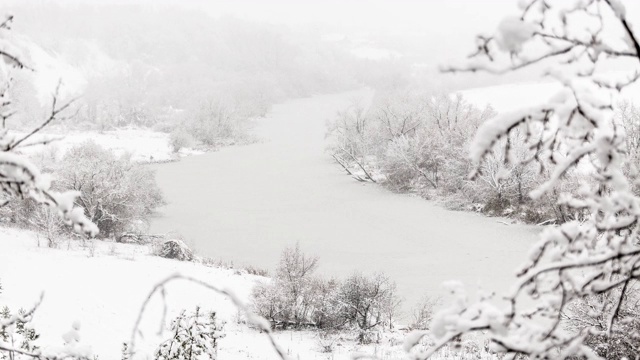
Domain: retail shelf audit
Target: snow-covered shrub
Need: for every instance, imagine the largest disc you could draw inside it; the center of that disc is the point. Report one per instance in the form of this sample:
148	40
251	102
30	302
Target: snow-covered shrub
176	249
215	123
369	336
18	333
326	341
414	141
289	299
412	162
194	337
620	341
27	213
328	312
296	298
354	142
254	270
180	139
116	193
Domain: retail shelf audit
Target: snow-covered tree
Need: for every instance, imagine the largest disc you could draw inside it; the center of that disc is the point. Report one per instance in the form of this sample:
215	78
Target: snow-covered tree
422	313
289	299
20	177
368	301
116	193
574	128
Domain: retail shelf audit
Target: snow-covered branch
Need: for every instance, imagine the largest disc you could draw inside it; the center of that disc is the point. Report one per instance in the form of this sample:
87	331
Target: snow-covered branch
573	130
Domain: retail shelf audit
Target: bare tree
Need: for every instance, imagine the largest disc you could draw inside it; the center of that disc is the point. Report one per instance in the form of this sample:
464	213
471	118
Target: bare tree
290	299
368	301
423	312
353	142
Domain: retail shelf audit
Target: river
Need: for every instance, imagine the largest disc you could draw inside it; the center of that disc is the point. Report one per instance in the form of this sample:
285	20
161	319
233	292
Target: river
246	203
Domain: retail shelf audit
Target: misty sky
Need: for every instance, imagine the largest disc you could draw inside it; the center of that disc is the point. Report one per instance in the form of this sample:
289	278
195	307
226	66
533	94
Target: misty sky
447	26
429	32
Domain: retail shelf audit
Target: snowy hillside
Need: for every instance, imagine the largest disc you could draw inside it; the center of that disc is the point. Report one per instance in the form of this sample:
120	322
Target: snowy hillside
105	298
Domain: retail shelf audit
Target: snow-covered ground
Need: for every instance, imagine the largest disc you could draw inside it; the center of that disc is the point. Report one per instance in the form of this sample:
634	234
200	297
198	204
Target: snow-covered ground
245	204
144	145
103	285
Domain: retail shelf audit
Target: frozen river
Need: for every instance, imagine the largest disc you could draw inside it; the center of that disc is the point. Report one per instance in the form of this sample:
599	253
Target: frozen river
247	203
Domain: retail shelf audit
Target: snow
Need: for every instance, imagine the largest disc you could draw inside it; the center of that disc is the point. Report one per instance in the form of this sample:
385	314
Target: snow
93	294
144	145
512	97
246	204
513	33
104	293
618	8
493	129
249	203
375	53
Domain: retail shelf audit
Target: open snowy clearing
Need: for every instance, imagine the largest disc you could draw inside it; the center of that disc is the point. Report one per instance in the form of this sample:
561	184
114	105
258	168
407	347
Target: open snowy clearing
143	145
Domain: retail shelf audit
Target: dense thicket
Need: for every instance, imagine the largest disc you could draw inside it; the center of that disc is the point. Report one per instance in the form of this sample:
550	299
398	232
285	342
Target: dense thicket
414	141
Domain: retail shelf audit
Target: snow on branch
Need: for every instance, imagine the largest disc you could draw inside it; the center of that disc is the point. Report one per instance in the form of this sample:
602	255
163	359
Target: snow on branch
19	178
574	130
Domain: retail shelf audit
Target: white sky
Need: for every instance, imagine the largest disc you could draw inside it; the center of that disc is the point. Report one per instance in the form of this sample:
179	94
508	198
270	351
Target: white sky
435	31
446	25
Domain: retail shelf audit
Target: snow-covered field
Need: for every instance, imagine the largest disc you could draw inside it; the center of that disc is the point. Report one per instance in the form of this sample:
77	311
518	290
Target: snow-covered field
143	145
103	285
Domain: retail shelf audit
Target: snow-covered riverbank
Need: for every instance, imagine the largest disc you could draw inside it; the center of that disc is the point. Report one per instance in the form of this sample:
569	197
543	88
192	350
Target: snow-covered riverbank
143	145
